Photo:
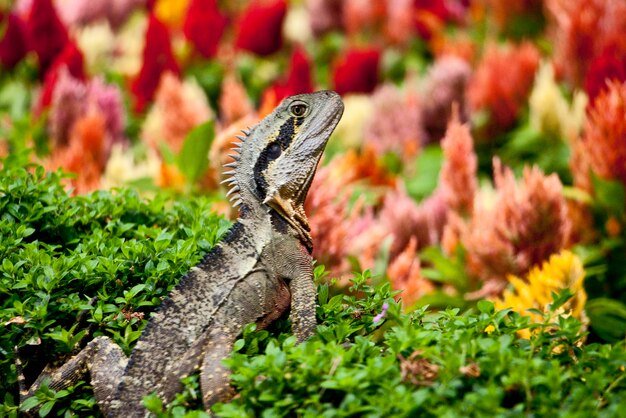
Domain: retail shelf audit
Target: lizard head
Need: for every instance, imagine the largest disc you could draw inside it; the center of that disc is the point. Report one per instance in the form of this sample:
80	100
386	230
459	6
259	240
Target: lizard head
277	158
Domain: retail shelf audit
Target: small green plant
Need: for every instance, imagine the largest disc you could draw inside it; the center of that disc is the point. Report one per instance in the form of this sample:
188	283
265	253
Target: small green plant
77	267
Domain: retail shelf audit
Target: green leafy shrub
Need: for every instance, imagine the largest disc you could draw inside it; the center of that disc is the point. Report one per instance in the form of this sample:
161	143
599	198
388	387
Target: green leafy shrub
369	358
59	251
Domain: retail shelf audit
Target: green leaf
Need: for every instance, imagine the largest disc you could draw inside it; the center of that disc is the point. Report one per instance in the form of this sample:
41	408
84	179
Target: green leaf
426	177
29	403
46	408
608	318
609	194
193	159
485	306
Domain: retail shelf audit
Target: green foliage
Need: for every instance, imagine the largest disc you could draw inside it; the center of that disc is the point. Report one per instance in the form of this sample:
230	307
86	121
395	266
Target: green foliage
425	364
192	159
368	357
58	252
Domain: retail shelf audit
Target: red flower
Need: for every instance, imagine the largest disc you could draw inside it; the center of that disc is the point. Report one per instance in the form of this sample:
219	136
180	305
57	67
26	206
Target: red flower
14	43
357	71
260	27
157	58
47	33
609	65
72	58
204	26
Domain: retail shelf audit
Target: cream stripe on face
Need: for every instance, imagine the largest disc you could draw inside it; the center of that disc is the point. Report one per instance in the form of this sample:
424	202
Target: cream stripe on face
272	151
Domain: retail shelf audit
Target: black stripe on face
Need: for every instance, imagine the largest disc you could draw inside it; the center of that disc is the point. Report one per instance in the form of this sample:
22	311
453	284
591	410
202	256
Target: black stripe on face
272	151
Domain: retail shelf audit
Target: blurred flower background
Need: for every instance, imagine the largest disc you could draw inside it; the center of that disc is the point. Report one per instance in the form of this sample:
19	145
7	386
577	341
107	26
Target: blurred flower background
482	153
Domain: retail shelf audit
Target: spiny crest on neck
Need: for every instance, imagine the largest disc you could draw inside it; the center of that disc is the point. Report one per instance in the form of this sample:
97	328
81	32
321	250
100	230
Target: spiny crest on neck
231	179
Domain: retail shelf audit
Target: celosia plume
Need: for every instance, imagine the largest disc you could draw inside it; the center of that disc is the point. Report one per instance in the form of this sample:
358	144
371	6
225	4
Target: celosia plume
526	222
157	59
234	102
405	274
582	29
326	15
550	113
562	271
178	108
47	34
601	147
14	41
501	84
356	71
446	85
259	29
395	125
204	25
73	99
70	59
457	179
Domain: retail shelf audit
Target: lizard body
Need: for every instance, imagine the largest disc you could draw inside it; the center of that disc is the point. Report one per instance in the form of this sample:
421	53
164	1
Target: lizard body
255	274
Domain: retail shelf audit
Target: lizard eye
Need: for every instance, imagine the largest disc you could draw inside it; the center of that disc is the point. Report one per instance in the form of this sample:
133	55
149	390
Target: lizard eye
298	109
273	151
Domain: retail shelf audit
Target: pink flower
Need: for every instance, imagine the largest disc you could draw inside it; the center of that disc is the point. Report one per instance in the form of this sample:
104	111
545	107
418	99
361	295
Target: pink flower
157	59
74	99
396	125
405	219
234	102
84	12
204	26
259	29
457	179
356	71
14	42
446	84
526	223
325	15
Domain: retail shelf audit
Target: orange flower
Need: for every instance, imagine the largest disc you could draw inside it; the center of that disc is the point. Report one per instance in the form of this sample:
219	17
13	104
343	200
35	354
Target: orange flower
502	82
85	154
525	224
457	179
601	147
178	108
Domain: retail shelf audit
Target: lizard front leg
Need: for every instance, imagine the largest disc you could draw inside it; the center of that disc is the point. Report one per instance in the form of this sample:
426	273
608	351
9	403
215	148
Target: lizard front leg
101	358
215	377
303	296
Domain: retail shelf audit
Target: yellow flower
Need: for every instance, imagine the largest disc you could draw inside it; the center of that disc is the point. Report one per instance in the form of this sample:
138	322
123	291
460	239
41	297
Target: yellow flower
549	111
562	271
171	12
350	130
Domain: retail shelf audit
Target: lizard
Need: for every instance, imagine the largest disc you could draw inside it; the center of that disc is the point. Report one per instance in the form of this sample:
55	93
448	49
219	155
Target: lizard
259	270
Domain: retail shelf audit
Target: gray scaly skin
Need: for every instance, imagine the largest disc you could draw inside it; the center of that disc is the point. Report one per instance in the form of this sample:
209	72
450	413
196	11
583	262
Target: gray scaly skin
260	269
